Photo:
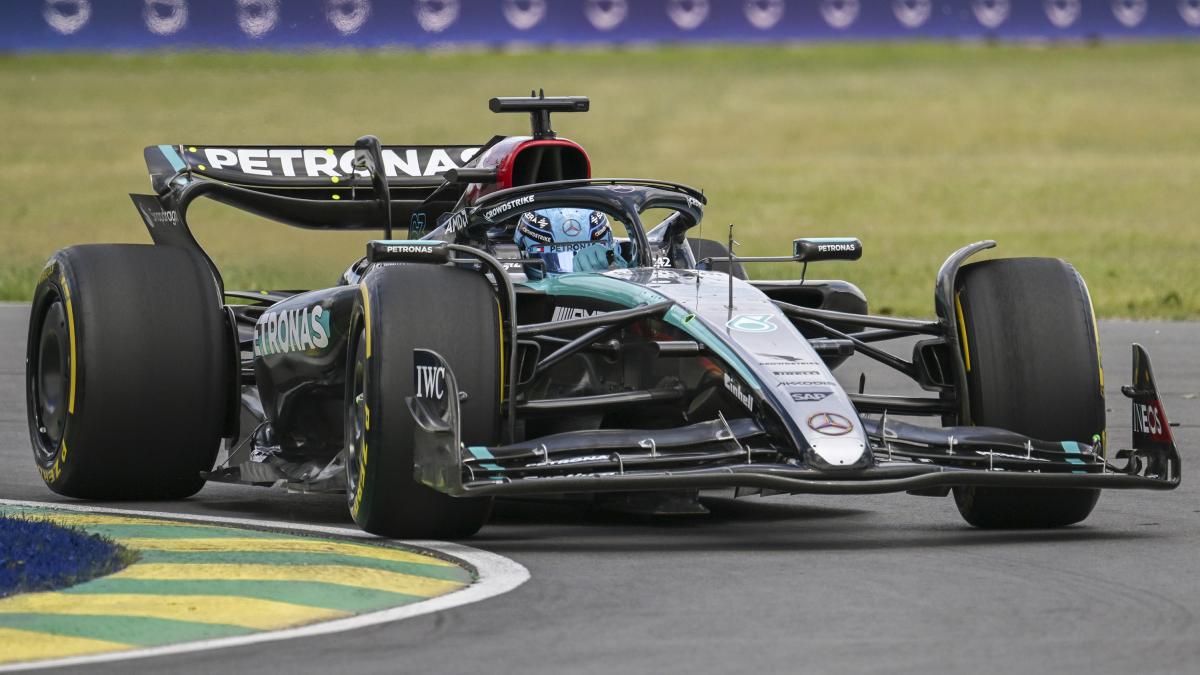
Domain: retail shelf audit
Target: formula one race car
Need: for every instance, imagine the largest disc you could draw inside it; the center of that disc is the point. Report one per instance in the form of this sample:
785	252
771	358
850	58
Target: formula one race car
533	336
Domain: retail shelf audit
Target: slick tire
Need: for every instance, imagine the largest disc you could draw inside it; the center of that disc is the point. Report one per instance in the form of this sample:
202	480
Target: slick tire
1030	340
707	248
128	370
398	311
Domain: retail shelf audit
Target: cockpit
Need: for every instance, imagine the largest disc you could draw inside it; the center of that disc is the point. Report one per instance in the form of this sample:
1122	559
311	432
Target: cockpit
580	225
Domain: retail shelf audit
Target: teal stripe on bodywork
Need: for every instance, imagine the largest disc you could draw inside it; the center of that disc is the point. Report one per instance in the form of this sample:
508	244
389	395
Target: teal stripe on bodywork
608	289
1073	448
690	324
172	156
480	452
597	287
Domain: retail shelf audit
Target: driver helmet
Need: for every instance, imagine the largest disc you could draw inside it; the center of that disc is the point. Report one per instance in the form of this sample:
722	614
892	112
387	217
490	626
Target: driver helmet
566	240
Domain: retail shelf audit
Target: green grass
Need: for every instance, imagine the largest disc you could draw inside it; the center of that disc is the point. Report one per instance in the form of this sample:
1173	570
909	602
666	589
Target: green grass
1087	153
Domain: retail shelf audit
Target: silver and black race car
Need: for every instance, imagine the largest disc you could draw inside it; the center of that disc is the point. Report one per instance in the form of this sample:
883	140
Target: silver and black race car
534	335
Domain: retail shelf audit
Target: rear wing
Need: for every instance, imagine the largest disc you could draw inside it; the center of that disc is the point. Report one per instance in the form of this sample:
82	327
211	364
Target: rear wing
311	186
333	187
340	187
303	186
327	169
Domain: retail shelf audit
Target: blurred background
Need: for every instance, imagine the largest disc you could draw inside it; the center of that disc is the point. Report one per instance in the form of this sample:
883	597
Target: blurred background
1067	128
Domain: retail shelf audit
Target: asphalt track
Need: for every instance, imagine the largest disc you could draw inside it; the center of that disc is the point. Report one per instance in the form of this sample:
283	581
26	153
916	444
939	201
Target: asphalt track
889	583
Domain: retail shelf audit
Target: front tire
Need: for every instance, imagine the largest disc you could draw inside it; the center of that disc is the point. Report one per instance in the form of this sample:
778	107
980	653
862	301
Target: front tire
454	312
127	372
1034	368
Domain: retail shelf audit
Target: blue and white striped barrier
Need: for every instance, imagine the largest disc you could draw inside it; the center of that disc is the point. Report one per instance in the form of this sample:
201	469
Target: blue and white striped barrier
298	24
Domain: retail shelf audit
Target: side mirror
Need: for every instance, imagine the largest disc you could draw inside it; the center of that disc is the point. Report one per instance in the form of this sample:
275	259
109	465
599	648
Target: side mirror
826	248
803	251
368	156
408	250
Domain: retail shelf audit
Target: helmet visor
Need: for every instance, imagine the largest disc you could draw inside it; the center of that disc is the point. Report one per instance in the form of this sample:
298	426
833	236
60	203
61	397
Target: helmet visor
557	258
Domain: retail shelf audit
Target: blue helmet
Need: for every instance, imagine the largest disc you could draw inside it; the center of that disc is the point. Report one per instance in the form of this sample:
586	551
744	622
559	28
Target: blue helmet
566	240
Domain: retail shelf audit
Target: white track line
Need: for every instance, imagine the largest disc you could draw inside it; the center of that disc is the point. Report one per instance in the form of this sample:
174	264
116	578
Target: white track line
497	575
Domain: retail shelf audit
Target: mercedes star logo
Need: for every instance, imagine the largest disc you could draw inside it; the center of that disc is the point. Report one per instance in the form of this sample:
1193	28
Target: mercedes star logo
830	424
571	228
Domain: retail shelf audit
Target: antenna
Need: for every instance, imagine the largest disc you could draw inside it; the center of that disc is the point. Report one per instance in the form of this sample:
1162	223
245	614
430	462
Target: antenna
732	262
539	108
697	270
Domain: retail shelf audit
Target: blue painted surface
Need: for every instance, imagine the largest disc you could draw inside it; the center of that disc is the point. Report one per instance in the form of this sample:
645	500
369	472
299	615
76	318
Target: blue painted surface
300	24
1073	448
172	157
480	452
37	555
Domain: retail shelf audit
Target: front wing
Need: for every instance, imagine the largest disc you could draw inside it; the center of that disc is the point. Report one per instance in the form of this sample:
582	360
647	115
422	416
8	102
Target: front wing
722	454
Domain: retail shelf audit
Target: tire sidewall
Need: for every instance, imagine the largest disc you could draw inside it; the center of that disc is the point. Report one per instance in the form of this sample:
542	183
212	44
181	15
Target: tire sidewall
54	285
152	371
980	408
389	501
1031	507
362	499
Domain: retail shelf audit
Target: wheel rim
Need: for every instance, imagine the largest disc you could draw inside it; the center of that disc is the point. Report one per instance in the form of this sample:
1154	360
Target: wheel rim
51	384
357	417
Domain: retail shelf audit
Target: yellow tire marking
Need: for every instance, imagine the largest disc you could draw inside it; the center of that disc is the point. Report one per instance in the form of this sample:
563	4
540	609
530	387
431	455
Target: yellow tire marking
500	319
380	580
366	315
1099	362
356	504
227	544
213	609
62	278
27	645
962	330
1095	332
362	478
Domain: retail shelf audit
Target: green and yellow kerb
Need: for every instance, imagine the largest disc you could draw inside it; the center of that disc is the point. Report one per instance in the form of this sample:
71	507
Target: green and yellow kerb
198	582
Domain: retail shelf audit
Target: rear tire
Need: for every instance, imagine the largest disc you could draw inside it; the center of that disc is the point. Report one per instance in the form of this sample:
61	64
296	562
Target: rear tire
1034	369
127	372
397	312
707	248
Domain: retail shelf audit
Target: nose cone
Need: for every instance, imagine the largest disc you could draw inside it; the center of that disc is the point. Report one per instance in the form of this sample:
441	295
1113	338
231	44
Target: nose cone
838	452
